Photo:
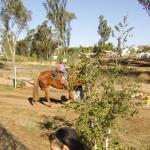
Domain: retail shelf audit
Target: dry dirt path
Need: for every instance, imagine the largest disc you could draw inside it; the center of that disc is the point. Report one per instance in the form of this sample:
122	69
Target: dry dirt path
22	118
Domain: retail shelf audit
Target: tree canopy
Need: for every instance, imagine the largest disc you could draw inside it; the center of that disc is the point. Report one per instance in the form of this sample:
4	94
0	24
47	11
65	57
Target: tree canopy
60	19
146	5
104	31
123	29
14	17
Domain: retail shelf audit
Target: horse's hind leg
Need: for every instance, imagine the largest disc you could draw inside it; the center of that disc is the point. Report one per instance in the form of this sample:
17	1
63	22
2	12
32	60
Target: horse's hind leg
47	97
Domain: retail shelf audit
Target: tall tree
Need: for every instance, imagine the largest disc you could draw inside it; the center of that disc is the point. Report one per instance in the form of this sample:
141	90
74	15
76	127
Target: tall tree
60	19
104	31
14	17
22	47
42	43
123	31
146	5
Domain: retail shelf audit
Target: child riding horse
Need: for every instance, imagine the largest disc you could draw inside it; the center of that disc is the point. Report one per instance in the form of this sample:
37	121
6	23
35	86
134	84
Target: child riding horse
62	68
46	79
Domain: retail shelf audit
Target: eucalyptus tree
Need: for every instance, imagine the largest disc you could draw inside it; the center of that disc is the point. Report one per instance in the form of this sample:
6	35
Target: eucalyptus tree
42	42
60	19
123	32
22	47
14	18
104	31
146	5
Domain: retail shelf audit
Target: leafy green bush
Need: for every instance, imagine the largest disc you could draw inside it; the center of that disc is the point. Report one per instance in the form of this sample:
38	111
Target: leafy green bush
104	105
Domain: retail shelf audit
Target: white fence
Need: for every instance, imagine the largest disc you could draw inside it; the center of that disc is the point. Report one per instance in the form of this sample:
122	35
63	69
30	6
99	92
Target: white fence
27	74
24	79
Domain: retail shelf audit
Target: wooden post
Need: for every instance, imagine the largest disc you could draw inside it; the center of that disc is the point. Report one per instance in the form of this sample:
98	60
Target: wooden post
148	101
14	77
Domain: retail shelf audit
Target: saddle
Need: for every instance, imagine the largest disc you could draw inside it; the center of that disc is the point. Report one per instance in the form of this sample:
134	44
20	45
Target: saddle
56	74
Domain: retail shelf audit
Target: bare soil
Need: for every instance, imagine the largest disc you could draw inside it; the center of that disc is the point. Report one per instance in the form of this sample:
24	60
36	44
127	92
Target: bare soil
23	119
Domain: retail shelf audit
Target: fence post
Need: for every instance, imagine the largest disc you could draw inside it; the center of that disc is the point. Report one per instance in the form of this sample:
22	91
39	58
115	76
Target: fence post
14	77
148	101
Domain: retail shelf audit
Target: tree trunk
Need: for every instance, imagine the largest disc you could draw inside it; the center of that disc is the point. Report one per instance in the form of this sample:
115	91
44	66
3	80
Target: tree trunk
14	53
107	140
13	58
5	53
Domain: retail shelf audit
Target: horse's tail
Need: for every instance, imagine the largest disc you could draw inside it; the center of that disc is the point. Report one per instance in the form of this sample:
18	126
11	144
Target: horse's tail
36	89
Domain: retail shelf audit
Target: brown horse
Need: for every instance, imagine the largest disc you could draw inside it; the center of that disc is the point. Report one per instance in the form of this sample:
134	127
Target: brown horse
50	78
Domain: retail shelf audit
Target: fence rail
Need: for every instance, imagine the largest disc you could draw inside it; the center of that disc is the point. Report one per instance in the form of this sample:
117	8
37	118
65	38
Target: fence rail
18	73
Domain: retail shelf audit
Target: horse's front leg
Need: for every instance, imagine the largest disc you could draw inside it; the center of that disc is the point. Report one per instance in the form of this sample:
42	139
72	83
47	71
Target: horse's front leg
47	97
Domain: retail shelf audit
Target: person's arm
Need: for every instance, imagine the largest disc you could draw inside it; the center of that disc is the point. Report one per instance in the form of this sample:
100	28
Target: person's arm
67	67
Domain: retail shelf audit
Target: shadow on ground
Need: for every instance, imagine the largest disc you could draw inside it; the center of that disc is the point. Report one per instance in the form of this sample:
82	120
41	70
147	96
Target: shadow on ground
43	101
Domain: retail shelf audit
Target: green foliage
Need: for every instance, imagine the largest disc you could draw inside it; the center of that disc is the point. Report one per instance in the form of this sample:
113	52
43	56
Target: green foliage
60	18
42	41
49	125
8	87
14	17
104	31
96	49
54	123
26	58
123	31
104	104
146	5
38	44
107	46
15	11
22	48
20	84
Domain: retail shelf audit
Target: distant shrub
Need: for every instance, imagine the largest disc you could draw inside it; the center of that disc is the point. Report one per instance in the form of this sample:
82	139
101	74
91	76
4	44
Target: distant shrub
143	77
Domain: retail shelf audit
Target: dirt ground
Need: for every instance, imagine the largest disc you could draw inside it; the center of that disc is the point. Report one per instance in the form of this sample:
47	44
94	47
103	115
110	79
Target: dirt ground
23	119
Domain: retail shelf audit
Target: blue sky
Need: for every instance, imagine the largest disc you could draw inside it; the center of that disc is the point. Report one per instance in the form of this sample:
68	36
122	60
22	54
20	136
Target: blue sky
84	28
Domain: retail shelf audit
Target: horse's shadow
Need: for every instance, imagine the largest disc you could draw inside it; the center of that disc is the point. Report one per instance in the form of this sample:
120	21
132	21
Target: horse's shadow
43	100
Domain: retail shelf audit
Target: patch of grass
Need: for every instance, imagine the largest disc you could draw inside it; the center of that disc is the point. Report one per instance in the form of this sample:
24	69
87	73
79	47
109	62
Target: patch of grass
8	87
54	123
49	125
20	84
